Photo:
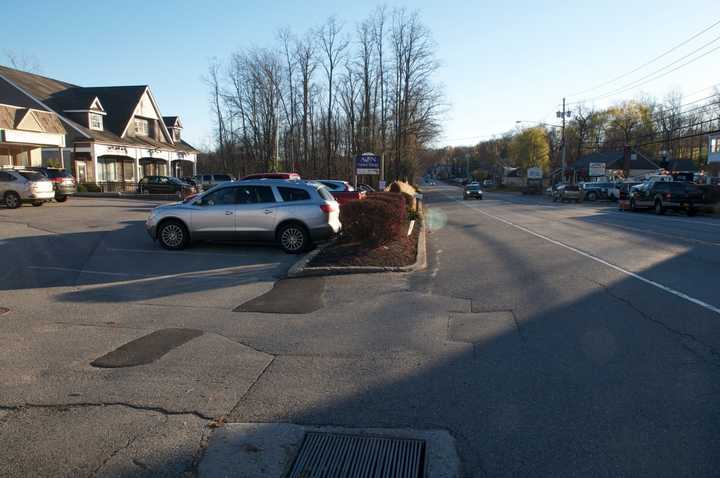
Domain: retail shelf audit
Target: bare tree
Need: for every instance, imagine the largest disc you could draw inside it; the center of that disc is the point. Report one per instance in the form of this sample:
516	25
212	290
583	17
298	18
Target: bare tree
22	61
333	47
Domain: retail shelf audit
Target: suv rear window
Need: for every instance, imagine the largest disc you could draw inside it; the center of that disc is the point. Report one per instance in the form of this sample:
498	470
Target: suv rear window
32	175
325	194
293	194
56	173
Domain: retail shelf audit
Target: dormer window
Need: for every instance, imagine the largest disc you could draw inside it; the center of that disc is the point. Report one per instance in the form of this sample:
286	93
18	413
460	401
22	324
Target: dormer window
96	121
176	134
141	127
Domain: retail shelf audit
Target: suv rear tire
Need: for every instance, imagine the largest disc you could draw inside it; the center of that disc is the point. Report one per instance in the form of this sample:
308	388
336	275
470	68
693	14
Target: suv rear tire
592	196
61	198
173	235
293	238
37	203
12	200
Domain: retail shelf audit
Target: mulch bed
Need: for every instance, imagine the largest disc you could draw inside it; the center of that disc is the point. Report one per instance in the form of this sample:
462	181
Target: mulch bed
346	252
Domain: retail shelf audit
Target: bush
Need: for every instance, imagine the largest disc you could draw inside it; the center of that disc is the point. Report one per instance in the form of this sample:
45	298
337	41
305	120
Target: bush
88	188
374	221
396	199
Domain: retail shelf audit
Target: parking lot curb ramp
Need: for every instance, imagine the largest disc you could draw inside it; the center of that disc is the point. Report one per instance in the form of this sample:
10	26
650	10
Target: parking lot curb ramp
301	268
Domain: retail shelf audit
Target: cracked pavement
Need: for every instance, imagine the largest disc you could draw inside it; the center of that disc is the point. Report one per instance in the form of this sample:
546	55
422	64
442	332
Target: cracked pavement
537	360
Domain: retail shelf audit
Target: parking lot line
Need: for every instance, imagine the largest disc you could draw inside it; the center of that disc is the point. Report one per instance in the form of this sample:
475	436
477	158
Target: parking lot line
162	251
149	277
658	285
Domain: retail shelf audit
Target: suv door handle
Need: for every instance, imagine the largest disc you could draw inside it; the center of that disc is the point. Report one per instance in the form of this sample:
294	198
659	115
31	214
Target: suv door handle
228	213
268	211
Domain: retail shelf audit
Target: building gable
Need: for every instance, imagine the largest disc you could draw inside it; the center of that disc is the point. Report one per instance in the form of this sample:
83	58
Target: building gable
25	120
147	108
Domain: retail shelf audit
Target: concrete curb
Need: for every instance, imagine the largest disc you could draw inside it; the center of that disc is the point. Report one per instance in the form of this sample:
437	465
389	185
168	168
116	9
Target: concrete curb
268	450
300	268
297	269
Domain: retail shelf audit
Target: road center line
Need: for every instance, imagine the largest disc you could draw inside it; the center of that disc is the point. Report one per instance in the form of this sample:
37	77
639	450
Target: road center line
658	285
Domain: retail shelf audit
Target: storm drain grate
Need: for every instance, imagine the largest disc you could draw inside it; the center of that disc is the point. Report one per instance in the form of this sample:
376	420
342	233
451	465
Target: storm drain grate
336	455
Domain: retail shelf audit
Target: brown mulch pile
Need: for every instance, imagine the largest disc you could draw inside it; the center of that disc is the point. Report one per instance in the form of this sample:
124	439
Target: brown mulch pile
346	252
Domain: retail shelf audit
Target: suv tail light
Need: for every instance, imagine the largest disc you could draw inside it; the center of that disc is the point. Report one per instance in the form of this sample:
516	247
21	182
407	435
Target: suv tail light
328	208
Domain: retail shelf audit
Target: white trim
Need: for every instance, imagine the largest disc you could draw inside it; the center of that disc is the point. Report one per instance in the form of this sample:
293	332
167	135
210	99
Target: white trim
61	117
86	111
97	100
160	118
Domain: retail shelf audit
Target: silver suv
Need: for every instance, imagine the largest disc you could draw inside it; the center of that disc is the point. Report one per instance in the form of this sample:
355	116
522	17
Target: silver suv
18	186
293	213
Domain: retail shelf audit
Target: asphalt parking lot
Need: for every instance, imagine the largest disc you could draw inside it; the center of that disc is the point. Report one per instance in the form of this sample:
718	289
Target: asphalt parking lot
99	249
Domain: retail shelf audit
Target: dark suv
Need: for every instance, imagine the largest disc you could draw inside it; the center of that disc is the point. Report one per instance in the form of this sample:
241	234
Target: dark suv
165	185
63	182
664	195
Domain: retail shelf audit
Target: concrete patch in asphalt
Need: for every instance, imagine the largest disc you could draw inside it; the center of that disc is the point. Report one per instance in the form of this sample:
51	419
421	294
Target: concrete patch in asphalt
482	327
268	450
289	296
146	349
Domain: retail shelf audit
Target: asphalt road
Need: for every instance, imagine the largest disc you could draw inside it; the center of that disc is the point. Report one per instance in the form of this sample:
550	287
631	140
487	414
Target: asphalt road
549	340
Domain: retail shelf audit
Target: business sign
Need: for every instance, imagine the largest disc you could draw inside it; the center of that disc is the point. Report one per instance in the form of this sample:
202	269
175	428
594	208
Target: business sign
367	164
534	173
596	169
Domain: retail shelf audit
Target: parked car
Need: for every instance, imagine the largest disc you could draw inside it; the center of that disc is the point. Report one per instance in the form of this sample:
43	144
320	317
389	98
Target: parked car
294	214
473	191
63	182
566	193
165	185
18	186
271	176
592	191
342	191
666	195
206	181
189	180
488	183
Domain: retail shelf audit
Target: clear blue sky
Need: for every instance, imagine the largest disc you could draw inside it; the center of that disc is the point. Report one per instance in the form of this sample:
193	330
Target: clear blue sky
501	61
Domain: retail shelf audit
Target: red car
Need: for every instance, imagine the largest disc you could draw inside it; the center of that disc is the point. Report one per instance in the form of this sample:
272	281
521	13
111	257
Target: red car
342	191
272	176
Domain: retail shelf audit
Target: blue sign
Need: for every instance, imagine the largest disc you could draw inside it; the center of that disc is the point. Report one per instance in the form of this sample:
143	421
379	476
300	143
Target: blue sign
366	164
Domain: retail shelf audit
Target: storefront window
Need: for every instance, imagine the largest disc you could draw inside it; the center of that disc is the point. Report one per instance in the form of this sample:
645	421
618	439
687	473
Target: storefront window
107	170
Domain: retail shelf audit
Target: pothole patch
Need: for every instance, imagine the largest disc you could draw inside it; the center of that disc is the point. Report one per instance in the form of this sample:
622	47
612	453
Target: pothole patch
289	296
146	349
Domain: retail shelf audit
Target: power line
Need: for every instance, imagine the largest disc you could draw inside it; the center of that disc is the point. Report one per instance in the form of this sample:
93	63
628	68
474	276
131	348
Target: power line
662	55
654	75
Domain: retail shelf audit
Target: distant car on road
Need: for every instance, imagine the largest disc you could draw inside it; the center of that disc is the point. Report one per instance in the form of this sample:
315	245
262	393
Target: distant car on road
592	191
63	182
566	193
488	183
165	185
19	186
666	195
623	194
294	214
473	191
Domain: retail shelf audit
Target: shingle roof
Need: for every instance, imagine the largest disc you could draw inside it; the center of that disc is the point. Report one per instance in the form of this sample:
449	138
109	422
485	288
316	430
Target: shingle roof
170	121
682	165
119	103
613	160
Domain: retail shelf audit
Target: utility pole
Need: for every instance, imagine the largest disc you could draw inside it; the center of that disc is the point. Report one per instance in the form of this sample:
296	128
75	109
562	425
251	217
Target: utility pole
563	114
